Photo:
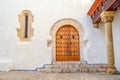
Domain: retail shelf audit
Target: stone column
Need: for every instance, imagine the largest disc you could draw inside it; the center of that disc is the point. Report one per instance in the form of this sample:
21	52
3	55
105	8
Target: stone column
107	18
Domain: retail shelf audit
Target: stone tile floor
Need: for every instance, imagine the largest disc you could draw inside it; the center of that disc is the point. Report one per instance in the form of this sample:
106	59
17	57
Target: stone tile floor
27	75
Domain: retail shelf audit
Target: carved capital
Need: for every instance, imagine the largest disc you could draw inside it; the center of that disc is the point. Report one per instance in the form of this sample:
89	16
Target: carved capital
107	16
96	25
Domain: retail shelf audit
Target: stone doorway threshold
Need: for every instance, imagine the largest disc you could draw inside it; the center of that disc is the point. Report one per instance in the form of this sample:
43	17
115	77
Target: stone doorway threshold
67	62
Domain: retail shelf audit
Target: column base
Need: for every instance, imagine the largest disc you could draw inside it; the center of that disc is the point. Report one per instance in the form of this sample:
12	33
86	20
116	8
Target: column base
111	71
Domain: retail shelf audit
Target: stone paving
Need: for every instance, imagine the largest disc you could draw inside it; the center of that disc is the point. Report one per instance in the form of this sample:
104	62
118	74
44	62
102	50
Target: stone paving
27	75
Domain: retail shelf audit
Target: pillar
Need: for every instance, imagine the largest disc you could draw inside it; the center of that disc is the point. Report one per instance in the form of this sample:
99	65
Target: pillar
107	18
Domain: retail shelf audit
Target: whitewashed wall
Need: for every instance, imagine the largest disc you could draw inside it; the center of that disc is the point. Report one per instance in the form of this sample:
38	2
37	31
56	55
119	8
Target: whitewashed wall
18	55
116	38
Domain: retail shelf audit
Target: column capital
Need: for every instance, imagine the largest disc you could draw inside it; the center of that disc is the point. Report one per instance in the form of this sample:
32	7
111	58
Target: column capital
107	16
96	25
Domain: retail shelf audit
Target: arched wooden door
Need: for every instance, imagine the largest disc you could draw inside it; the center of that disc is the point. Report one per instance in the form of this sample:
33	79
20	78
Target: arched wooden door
67	44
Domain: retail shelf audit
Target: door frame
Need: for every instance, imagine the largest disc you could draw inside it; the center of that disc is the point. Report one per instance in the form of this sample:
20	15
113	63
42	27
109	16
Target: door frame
75	24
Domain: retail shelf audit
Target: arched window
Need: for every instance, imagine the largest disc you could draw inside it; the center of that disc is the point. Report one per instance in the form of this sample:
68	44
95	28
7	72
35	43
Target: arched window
25	32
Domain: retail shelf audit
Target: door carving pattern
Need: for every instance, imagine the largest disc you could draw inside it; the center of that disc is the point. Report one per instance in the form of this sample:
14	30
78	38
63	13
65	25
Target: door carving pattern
67	44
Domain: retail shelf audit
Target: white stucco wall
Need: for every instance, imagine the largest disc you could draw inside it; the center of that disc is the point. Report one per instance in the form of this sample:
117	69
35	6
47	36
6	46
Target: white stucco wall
96	53
33	54
116	38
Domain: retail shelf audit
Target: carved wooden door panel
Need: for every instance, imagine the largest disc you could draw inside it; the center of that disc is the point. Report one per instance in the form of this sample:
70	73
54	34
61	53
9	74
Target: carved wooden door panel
67	44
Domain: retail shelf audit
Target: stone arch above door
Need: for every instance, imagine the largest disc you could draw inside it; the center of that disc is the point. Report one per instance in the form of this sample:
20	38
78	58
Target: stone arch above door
60	23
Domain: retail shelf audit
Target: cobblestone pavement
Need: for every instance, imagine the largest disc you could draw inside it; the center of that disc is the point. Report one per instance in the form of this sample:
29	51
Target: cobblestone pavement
27	75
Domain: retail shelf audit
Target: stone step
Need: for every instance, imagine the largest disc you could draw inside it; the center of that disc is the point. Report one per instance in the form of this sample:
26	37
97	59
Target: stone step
51	70
64	66
76	66
60	70
74	70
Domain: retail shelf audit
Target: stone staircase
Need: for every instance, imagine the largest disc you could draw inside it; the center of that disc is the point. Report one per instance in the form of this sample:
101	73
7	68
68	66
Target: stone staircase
74	67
